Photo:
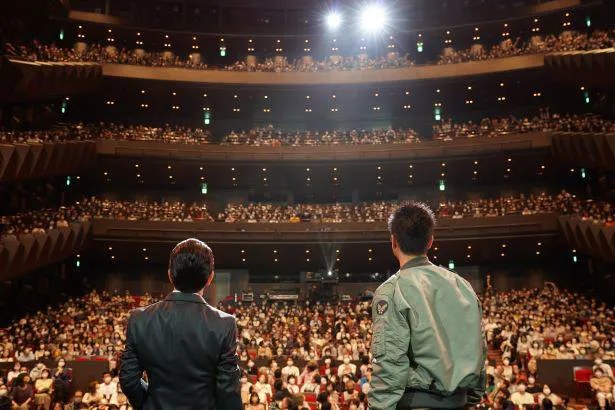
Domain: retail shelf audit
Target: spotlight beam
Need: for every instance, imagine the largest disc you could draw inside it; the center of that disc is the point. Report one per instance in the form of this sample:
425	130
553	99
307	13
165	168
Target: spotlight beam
333	20
373	18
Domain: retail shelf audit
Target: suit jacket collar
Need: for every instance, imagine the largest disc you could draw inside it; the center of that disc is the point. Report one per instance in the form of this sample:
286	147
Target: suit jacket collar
184	297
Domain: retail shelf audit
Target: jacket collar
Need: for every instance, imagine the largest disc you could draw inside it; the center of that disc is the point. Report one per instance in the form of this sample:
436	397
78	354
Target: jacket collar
415	262
184	297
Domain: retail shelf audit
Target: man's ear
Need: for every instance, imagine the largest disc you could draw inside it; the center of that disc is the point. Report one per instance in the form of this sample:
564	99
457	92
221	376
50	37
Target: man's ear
170	277
430	243
210	279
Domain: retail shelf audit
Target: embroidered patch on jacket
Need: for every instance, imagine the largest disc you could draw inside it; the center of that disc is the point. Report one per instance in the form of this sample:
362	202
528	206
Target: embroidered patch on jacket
382	307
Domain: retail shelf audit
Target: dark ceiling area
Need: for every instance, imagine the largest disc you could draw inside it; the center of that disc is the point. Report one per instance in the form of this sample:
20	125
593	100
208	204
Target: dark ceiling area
307	17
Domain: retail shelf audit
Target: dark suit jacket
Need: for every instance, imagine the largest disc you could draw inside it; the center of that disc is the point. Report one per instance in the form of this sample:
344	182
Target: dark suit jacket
188	350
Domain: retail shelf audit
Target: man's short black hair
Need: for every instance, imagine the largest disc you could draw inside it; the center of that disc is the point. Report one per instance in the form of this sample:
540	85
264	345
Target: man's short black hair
412	224
190	264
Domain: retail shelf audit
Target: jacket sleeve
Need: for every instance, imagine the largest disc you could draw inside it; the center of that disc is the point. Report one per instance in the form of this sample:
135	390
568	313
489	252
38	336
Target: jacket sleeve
476	391
131	370
390	344
228	387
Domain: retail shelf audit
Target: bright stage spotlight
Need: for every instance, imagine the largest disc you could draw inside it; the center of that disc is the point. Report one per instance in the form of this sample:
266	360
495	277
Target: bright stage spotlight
373	18
333	20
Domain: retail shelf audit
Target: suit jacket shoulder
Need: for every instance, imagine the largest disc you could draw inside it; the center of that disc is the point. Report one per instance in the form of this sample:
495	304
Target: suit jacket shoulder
220	314
148	307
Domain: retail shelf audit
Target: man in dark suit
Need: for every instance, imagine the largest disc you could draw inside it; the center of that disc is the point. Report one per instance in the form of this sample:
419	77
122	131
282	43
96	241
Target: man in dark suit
186	347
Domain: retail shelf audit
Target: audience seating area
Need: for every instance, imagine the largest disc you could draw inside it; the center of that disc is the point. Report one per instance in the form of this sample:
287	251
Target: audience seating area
566	41
311	353
33	222
445	130
563	202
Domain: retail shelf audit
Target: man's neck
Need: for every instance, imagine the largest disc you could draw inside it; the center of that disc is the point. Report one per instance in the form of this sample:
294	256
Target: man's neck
404	258
200	292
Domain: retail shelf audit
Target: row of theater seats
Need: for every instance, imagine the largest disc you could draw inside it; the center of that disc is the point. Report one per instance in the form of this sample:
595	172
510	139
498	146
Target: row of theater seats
97	208
448	130
565	41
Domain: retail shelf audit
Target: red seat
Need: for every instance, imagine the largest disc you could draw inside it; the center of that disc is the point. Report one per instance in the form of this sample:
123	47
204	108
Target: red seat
582	375
310	397
253	378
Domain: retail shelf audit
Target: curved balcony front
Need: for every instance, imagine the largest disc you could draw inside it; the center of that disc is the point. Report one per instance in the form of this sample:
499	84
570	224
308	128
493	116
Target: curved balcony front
416	73
361	152
348	232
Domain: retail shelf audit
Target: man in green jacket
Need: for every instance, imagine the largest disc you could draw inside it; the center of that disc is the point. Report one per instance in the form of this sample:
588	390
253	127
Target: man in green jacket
428	346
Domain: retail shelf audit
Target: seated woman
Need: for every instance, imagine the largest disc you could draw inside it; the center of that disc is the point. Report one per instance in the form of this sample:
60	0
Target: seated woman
255	403
43	387
603	386
292	385
92	397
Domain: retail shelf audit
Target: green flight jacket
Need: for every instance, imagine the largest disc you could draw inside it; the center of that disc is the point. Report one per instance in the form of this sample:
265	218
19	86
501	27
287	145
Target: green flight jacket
427	336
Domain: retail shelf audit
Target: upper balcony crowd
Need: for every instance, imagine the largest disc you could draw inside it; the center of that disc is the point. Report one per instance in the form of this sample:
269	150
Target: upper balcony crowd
566	41
447	130
40	221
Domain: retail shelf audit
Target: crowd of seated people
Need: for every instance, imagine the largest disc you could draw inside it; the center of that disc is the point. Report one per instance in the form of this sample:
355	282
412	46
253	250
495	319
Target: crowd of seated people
531	324
39	221
167	134
98	53
270	136
337	212
89	132
34	222
599	212
566	41
40	347
314	354
55	134
563	202
264	136
445	130
340	63
544	121
175	211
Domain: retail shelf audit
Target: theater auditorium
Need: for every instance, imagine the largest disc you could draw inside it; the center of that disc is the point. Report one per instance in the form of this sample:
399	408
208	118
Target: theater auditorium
284	135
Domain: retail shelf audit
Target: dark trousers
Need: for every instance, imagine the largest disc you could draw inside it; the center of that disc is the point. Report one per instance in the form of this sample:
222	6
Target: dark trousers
427	400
